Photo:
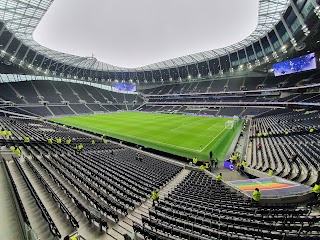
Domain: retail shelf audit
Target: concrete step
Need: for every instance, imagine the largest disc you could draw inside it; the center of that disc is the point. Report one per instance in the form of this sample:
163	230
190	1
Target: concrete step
59	218
10	227
37	222
143	210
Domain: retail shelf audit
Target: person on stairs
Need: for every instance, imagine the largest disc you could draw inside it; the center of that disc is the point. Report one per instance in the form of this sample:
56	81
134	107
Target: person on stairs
256	195
219	177
155	197
70	238
316	190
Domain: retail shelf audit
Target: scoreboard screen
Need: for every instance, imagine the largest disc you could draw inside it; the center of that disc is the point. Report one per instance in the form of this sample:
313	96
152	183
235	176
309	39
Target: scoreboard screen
300	64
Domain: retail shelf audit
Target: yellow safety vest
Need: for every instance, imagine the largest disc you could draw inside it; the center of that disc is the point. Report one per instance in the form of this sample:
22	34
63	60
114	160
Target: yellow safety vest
316	189
219	178
155	195
256	195
195	160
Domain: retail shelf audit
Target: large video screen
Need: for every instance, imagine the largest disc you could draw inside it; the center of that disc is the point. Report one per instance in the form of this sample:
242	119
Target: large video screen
303	63
128	87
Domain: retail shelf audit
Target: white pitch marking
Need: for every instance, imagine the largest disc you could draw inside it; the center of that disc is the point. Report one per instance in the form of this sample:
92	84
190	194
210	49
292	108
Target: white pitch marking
212	126
211	141
172	130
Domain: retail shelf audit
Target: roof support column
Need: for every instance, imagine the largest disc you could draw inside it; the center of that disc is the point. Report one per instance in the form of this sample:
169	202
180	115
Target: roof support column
2	30
17	49
316	7
266	58
283	47
8	43
257	61
231	70
248	63
304	28
274	53
293	41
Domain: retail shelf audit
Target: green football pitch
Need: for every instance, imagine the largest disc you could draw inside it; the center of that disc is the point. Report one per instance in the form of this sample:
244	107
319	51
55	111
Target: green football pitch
186	136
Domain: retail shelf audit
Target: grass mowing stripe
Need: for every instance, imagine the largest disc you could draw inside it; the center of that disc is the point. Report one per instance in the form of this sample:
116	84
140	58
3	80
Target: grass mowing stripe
158	131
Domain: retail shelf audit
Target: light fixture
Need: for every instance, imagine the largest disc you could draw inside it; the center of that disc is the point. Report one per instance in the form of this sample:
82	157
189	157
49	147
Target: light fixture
305	30
317	11
294	42
284	49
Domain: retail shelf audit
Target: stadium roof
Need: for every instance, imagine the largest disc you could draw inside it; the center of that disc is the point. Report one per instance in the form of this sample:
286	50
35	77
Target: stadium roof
22	17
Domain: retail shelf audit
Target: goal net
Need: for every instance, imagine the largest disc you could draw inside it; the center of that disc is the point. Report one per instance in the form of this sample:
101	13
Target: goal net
229	124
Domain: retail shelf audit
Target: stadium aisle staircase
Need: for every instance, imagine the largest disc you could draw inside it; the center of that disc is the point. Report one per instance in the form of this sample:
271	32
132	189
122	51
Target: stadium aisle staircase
143	211
10	228
32	209
86	229
55	212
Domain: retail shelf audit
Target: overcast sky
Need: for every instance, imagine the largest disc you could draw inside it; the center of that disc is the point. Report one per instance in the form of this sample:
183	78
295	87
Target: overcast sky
135	33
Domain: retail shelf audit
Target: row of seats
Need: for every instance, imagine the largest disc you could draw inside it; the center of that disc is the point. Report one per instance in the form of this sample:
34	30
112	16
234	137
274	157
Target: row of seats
289	147
54	196
83	208
201	208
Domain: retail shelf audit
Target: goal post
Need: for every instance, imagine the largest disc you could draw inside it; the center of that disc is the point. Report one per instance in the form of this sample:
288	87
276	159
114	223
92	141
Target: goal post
236	120
229	124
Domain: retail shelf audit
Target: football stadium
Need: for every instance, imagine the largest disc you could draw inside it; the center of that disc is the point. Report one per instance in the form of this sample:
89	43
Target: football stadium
158	119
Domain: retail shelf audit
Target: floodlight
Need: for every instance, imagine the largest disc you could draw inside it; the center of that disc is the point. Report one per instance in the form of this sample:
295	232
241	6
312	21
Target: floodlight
294	42
275	55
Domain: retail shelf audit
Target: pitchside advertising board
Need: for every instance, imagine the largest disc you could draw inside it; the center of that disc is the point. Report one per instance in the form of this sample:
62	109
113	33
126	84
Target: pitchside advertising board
300	64
228	165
